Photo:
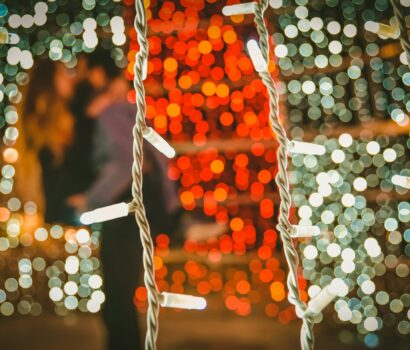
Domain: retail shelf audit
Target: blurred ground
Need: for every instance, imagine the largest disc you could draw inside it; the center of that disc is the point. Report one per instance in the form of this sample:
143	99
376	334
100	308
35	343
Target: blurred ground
188	330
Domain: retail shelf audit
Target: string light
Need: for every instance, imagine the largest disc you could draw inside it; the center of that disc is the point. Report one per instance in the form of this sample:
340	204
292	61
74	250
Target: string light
336	288
398	29
239	9
140	131
303	231
158	142
8	38
399	12
383	30
358	154
182	301
257	58
105	213
306	148
402	181
260	57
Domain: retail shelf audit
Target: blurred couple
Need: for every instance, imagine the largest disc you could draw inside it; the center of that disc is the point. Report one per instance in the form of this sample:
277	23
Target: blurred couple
78	131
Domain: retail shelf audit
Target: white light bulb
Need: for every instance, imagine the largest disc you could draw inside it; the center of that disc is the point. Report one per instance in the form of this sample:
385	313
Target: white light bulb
158	142
371	26
402	181
382	30
306	148
301	231
182	301
8	38
239	9
320	300
256	56
144	69
105	213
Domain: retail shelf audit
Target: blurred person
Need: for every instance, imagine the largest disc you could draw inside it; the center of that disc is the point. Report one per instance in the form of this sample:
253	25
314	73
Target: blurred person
121	252
49	130
84	125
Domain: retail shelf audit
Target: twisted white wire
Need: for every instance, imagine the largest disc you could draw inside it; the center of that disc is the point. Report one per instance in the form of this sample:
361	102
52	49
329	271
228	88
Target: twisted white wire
400	13
141	58
282	181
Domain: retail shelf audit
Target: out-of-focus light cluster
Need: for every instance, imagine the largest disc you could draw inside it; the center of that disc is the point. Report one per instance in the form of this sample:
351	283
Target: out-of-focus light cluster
39	264
63	267
203	88
348	193
335	78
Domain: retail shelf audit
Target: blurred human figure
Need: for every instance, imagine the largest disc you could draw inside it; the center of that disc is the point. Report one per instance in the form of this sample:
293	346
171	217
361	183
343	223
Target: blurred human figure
84	126
121	253
49	133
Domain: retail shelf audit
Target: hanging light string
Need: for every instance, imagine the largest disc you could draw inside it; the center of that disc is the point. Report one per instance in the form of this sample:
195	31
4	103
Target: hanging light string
282	180
141	131
399	12
141	57
260	58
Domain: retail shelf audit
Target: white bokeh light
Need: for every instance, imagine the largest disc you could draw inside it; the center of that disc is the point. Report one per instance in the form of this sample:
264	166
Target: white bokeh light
310	252
373	148
348	200
338	156
360	184
315	200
